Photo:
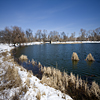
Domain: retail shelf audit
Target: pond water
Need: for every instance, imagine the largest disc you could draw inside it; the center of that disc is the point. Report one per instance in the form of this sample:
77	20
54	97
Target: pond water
59	56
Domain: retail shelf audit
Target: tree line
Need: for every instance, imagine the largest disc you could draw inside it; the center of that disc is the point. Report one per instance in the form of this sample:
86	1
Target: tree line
16	35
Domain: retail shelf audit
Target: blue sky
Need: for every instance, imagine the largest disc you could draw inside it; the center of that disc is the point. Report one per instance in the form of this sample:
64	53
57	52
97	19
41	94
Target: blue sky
59	15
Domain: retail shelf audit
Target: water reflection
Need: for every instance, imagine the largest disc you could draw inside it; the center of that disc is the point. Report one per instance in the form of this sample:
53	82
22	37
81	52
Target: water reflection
30	67
49	54
74	63
89	63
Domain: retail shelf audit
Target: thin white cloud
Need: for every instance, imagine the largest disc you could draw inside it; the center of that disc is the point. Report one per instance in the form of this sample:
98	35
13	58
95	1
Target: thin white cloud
40	17
64	26
57	9
49	12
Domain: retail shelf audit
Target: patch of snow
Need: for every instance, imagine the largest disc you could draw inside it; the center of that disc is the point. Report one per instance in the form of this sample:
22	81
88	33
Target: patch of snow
35	85
74	42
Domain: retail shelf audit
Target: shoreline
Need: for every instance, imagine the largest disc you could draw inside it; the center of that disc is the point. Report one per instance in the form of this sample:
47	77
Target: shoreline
58	42
74	83
70	84
74	42
30	87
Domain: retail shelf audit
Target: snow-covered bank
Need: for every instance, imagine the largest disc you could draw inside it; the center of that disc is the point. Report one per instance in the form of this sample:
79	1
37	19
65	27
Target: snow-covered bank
90	41
32	43
5	47
29	43
35	89
74	42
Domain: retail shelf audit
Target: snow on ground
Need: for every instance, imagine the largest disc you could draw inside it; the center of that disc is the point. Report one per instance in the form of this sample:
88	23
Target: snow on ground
31	43
5	47
74	42
35	89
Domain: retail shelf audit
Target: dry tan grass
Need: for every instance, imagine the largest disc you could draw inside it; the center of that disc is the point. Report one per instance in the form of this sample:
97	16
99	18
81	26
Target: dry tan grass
18	93
5	59
53	71
75	56
72	78
4	53
44	78
23	57
64	96
49	70
11	79
15	97
27	82
95	89
43	93
71	84
30	73
23	89
38	96
39	64
80	82
12	75
21	68
59	74
77	82
89	57
44	69
10	57
33	62
54	78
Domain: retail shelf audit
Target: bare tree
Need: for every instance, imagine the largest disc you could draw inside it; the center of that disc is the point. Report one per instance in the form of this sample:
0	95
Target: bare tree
94	35
50	36
83	34
44	35
97	33
72	37
8	35
18	35
53	36
63	36
38	35
2	40
29	35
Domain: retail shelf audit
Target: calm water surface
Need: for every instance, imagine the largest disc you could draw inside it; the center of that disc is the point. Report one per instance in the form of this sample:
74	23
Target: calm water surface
59	56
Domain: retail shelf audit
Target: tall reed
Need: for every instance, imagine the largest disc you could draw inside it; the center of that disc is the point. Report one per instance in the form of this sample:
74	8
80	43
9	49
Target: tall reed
73	85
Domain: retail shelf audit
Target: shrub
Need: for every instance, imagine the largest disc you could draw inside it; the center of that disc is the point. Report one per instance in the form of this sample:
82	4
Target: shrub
75	56
73	85
89	57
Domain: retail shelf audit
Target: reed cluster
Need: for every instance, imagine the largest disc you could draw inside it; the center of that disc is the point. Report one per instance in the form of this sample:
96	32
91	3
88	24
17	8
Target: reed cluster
73	85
